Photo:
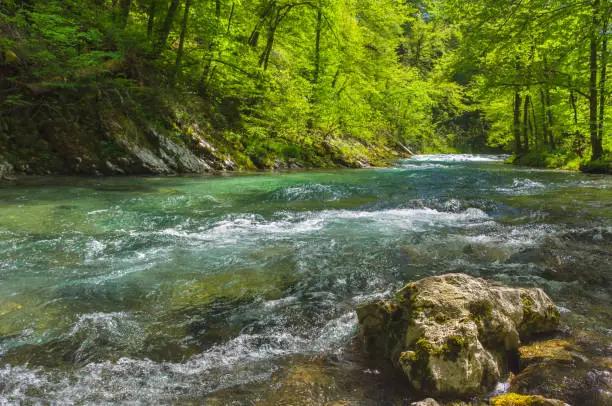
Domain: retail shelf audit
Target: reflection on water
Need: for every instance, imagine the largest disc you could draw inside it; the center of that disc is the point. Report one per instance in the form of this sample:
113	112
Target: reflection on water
242	288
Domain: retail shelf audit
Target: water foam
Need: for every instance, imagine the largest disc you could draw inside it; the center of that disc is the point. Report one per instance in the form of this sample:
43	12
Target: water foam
309	192
459	158
244	359
521	186
251	226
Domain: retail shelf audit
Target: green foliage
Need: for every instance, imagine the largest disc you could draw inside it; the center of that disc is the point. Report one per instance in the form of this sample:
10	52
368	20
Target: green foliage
324	82
313	81
550	56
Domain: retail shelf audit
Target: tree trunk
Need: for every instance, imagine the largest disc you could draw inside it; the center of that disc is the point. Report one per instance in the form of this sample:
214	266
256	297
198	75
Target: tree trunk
207	73
230	18
593	99
151	20
179	53
254	37
162	38
517	123
264	59
545	126
533	125
317	71
551	122
526	123
573	104
602	85
124	12
281	13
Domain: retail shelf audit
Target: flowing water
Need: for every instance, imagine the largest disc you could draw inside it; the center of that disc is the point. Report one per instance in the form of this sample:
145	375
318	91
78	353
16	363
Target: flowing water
237	289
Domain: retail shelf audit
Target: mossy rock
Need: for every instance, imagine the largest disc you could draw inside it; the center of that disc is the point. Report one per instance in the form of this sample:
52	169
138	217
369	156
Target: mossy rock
551	350
11	58
454	335
576	369
514	399
577	383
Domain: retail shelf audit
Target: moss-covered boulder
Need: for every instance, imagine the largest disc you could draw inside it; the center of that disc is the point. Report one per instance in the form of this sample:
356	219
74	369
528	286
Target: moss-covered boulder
454	335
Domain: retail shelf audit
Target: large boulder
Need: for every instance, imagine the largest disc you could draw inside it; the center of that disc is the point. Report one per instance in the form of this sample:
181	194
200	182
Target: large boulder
455	335
6	170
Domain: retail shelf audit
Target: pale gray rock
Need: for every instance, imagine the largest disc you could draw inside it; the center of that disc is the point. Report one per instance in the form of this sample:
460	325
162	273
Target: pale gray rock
453	335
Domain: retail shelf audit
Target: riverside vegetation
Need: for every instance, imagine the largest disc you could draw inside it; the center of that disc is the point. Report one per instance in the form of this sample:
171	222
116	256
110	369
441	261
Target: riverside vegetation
167	86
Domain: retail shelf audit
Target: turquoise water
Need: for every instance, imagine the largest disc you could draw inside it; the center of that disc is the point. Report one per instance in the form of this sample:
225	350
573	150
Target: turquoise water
230	288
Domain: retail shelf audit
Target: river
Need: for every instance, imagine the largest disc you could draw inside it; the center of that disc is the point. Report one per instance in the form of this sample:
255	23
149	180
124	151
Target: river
235	288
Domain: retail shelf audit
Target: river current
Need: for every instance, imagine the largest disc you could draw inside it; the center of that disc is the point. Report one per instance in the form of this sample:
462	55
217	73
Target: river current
237	289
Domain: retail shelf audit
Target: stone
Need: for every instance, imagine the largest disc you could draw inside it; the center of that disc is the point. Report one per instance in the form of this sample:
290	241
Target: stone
454	335
238	286
6	170
10	58
302	384
576	369
513	399
425	402
540	351
114	168
577	382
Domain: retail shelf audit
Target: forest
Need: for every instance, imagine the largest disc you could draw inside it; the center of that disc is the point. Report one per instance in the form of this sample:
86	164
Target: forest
87	85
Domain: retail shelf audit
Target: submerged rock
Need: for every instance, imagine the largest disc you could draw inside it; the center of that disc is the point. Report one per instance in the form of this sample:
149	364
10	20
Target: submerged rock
302	384
242	286
455	335
576	369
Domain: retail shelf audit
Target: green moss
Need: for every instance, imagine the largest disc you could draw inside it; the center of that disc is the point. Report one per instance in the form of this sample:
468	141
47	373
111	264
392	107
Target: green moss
558	350
529	315
559	159
406	295
424	347
514	399
527	300
416	364
407	357
480	310
452	348
553	314
441	318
